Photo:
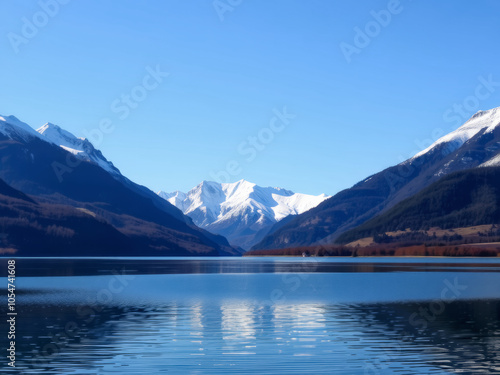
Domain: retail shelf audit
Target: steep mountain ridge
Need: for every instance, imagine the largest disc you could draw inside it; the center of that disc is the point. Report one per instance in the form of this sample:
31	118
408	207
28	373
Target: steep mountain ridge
79	147
475	143
482	121
31	162
13	128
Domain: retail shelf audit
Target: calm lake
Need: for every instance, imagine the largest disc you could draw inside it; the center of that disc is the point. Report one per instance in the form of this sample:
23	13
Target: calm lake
255	316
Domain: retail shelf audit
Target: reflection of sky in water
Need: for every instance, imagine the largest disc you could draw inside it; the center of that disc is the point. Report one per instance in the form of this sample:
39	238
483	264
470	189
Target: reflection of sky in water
265	288
238	323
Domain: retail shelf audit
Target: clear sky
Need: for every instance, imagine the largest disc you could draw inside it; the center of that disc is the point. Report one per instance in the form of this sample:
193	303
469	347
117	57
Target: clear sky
362	84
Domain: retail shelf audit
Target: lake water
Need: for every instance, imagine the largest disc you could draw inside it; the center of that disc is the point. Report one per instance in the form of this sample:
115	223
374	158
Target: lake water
255	316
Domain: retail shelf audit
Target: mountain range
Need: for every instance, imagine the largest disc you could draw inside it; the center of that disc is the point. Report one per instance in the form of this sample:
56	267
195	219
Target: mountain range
243	212
54	168
60	196
474	144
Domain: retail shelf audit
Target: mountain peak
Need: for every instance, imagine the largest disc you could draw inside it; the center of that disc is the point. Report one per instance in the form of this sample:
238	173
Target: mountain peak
49	125
12	127
12	120
207	183
80	147
476	143
488	112
56	134
238	210
481	121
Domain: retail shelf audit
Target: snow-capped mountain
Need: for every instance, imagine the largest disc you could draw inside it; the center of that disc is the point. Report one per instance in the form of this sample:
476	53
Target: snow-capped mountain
481	125
177	198
13	128
242	210
41	165
482	122
475	144
80	147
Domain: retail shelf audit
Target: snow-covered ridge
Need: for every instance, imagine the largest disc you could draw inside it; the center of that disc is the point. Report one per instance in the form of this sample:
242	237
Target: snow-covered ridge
80	147
212	203
13	128
482	120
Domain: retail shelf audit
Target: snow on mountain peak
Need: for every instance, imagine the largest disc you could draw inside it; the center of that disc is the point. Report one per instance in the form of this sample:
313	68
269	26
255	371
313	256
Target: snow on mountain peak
177	198
485	121
12	127
61	137
227	208
80	147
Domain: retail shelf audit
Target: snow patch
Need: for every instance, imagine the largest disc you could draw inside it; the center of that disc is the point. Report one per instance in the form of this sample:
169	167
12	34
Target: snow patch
493	162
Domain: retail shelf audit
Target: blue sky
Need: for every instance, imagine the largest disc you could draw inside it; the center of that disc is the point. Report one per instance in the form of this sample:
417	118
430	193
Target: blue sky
419	73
